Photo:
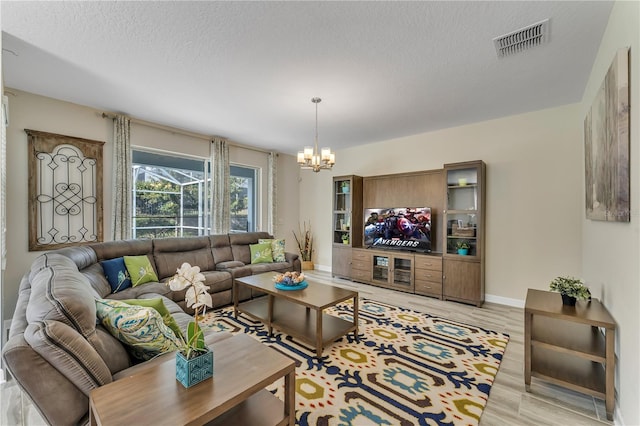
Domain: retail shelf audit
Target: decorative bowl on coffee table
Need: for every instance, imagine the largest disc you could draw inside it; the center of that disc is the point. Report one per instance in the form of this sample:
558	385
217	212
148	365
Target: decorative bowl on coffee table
290	281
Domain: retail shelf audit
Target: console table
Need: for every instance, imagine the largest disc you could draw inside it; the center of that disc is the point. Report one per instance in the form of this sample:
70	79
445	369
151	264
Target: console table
564	345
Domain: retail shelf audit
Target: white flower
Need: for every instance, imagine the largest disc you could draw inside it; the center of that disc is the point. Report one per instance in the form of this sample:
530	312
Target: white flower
197	296
190	276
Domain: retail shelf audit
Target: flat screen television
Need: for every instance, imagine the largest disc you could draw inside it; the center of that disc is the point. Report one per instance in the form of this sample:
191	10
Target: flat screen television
398	228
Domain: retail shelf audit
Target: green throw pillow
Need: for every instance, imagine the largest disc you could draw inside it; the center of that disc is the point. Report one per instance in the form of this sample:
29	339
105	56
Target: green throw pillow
158	305
141	329
277	248
140	270
261	253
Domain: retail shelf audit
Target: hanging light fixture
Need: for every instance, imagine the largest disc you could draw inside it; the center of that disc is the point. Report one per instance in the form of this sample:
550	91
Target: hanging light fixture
310	158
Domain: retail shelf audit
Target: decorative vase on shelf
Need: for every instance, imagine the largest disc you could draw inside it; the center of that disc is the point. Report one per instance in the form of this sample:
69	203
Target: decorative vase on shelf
192	371
345	188
463	251
568	300
462	182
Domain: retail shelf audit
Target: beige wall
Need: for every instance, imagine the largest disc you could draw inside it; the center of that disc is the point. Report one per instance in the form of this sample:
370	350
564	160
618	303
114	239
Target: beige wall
34	112
611	251
534	192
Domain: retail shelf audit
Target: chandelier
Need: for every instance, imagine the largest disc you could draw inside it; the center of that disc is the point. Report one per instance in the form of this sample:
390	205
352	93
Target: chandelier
310	158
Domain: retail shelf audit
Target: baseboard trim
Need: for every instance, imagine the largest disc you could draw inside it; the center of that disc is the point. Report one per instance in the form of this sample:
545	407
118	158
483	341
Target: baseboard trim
322	268
516	303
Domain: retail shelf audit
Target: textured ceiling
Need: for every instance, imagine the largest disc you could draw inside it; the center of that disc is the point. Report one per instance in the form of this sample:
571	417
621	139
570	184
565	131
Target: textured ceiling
248	70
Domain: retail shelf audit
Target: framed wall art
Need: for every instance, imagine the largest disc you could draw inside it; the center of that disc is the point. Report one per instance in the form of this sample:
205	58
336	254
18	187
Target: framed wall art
606	146
65	191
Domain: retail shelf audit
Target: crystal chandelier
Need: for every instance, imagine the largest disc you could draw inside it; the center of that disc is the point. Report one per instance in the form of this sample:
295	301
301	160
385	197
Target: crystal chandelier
310	158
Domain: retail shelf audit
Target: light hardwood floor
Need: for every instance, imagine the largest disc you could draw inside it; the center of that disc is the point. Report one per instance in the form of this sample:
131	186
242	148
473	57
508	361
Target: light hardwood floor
509	403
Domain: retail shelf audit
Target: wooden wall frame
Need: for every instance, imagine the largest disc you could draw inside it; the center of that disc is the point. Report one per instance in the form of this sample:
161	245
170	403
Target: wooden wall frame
65	191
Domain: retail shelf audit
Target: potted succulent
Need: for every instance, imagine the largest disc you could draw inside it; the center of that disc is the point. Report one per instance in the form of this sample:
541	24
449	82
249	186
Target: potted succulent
463	247
345	238
571	289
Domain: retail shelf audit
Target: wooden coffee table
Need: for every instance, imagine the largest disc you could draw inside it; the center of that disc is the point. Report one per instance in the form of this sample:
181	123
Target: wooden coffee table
236	394
289	310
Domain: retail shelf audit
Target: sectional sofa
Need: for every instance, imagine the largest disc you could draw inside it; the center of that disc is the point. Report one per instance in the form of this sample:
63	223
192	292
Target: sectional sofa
58	353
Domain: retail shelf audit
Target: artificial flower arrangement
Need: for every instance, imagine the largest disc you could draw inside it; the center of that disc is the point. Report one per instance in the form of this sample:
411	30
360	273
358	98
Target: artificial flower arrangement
289	278
197	298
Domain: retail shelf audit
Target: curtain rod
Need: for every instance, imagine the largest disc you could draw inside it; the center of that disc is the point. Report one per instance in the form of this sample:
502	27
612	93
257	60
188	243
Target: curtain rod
183	132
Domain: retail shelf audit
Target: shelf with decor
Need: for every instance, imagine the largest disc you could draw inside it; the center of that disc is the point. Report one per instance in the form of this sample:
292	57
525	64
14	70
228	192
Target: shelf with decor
346	222
570	346
463	257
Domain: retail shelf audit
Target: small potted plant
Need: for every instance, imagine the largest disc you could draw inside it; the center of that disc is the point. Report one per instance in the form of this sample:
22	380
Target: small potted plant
193	354
345	238
571	289
463	247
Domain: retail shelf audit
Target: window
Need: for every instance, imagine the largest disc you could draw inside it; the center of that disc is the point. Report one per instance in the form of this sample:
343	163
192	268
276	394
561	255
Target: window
243	203
170	196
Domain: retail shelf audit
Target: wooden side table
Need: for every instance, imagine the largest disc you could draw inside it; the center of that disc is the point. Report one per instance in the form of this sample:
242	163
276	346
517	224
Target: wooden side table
564	345
235	395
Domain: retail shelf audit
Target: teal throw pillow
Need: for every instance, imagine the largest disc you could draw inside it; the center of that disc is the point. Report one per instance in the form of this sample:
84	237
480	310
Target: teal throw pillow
159	306
140	329
116	273
261	253
140	270
277	249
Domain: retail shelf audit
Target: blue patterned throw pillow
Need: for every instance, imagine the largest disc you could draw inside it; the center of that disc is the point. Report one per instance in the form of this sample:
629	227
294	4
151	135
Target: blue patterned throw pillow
117	274
141	329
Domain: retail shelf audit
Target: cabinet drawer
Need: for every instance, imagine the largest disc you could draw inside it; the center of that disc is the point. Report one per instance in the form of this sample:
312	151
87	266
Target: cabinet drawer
429	262
360	254
360	264
428	275
360	275
428	287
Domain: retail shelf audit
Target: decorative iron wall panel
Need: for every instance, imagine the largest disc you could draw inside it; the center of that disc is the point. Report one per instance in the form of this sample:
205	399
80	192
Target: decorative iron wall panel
65	191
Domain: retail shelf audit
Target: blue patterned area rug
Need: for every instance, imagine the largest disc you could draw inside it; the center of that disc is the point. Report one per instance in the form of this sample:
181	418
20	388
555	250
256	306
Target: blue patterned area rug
408	368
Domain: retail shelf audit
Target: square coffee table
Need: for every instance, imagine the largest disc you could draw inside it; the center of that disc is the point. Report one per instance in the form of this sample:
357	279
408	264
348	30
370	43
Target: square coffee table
242	368
289	310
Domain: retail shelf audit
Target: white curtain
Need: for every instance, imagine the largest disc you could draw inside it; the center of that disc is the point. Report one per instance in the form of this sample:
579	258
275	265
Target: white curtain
220	199
272	193
122	178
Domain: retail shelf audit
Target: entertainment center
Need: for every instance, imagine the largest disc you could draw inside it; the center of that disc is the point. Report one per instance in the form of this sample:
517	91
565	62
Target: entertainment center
436	249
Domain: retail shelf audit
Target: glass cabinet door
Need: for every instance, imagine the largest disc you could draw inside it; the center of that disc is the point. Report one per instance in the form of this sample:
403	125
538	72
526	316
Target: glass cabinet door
402	271
342	211
380	270
462	211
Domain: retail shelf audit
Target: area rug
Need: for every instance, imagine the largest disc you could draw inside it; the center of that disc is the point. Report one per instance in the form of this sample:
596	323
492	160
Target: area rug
408	368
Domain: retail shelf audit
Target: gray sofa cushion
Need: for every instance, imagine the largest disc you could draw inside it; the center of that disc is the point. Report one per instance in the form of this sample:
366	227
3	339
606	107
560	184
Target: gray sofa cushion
221	248
240	244
140	290
170	253
69	352
60	293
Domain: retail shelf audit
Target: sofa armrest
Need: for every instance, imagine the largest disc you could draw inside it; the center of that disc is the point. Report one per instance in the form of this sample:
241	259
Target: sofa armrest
58	400
294	260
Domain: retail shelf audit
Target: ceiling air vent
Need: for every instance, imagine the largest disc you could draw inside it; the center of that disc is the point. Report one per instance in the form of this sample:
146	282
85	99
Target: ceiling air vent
522	39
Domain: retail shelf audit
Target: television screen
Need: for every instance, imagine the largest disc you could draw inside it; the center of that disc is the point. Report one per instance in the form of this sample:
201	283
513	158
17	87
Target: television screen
399	228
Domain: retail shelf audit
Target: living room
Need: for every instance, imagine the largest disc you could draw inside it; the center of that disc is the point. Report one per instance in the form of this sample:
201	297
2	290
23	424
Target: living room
535	222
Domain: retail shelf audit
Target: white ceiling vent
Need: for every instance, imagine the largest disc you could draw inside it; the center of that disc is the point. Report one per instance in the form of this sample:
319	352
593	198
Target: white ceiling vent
522	39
